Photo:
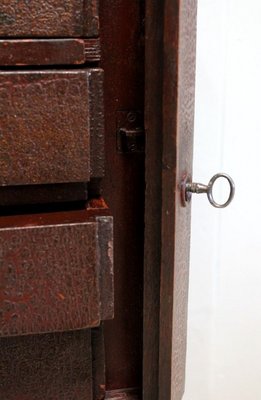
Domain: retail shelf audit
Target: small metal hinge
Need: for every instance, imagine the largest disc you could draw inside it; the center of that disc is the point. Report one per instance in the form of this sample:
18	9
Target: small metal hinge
130	132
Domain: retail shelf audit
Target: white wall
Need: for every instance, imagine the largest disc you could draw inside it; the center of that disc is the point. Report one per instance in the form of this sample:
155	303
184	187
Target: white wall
224	338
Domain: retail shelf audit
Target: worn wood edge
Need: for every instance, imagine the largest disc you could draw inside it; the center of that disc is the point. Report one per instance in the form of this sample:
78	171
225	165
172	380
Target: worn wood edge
92	49
178	107
123	394
96	105
105	233
52	218
98	363
153	196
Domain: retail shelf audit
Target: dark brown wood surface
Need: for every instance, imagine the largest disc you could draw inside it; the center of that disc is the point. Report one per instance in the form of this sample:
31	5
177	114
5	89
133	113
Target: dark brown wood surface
22	52
46	120
51	367
122	44
52	18
65	193
98	363
152	246
178	126
57	275
170	72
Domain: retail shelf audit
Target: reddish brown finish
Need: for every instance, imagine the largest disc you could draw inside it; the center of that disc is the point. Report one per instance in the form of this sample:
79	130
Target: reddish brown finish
50	367
53	18
48	51
54	274
47	117
122	44
178	117
169	120
49	279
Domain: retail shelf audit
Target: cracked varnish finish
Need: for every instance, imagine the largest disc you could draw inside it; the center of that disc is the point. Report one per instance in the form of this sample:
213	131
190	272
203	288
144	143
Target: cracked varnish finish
49	18
46	123
51	367
56	271
49	279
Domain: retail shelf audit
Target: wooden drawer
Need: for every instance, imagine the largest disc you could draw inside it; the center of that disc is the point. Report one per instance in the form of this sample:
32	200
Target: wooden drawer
56	272
52	366
52	18
51	126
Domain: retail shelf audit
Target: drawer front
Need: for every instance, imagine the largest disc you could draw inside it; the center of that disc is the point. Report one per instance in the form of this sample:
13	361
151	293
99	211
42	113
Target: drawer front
53	366
47	119
52	18
17	52
55	277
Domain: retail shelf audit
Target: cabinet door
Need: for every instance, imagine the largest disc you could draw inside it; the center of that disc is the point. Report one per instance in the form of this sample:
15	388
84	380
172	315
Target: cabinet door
170	81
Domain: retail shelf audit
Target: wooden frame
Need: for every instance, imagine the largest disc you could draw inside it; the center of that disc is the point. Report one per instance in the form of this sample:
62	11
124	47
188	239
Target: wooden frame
169	105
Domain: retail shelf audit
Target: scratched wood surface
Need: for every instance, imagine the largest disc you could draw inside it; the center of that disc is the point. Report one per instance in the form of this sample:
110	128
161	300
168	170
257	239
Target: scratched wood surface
52	18
51	366
55	272
46	123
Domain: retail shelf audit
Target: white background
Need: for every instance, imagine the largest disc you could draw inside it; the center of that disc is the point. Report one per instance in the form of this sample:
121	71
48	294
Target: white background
224	338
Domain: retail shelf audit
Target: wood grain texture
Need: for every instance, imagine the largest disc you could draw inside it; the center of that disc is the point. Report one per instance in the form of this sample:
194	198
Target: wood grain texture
22	52
178	124
51	367
52	18
45	125
170	81
153	198
122	44
50	272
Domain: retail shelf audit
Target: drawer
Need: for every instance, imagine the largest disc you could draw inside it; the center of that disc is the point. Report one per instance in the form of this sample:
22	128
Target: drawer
56	364
52	18
56	272
51	126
